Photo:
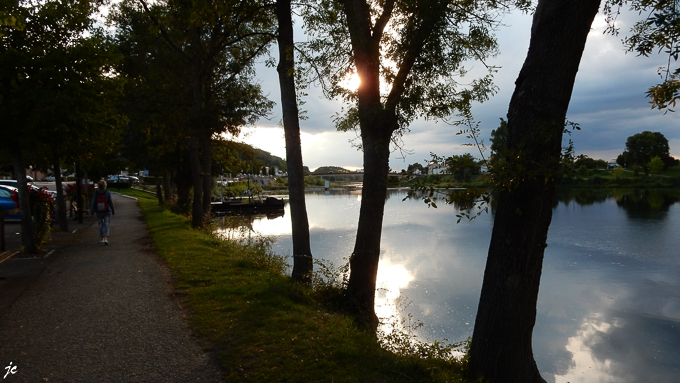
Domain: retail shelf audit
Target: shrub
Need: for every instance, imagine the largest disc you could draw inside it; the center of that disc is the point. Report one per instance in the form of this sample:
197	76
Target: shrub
42	205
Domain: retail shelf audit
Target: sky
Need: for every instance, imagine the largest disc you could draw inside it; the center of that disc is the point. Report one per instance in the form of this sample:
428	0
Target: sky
608	102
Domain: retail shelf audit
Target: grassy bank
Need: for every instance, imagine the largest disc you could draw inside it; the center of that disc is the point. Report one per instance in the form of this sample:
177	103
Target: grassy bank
262	326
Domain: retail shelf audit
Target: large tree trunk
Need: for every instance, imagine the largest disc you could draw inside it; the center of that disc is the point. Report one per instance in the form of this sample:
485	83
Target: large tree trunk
28	239
377	126
206	163
79	193
303	264
501	343
197	212
366	255
62	218
159	191
167	186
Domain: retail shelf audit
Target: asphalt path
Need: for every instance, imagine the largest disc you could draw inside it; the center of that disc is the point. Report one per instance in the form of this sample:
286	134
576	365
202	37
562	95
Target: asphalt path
96	313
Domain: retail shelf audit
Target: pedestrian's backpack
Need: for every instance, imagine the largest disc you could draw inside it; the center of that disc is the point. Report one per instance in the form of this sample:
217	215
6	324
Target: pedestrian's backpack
101	202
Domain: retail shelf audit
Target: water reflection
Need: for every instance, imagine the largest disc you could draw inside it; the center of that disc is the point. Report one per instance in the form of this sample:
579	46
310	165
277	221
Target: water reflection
609	305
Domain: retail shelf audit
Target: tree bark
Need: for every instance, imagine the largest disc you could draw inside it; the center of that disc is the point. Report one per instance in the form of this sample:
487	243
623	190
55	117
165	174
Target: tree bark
366	255
377	126
167	187
197	212
61	199
28	239
159	191
206	164
501	348
78	193
303	264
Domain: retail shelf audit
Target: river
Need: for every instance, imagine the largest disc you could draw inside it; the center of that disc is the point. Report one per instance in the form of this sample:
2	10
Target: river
609	303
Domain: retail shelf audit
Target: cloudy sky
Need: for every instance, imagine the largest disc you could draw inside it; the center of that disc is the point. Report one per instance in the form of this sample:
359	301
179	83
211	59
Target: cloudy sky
608	103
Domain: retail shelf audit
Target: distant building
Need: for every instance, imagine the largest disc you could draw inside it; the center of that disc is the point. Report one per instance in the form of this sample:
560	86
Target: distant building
435	168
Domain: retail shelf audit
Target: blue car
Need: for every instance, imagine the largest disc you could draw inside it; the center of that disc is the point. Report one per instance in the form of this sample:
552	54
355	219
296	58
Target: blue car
6	202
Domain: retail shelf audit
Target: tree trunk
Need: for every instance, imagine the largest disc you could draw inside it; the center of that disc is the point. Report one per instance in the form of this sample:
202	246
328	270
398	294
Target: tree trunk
28	239
79	193
303	264
501	348
61	199
183	193
159	191
167	186
206	164
366	255
195	148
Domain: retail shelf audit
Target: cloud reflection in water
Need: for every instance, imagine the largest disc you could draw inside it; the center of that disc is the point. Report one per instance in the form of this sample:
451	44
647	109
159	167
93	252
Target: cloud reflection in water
609	304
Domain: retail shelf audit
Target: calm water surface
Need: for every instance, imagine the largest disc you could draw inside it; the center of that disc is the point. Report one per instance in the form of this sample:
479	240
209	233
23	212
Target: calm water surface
609	303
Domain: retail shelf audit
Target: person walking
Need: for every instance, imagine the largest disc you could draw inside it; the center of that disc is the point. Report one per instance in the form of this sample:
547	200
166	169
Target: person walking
102	204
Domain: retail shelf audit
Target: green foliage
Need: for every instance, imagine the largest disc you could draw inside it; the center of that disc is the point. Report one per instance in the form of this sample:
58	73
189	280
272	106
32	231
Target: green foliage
499	143
59	91
420	60
463	167
589	163
331	169
313	181
618	172
642	147
655	165
399	335
240	189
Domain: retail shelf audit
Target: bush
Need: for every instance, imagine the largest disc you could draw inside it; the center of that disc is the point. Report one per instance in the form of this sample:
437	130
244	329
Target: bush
42	206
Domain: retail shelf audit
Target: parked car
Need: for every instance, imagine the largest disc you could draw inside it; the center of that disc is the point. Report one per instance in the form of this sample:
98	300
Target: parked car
6	202
118	178
15	184
134	179
50	178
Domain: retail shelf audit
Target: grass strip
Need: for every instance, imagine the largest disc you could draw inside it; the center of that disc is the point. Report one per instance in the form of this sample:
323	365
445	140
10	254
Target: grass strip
263	326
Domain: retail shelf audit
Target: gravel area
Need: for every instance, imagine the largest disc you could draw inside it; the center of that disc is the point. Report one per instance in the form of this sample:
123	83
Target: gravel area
102	314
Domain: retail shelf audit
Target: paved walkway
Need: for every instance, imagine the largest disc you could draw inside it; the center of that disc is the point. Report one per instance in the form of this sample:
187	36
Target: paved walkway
101	314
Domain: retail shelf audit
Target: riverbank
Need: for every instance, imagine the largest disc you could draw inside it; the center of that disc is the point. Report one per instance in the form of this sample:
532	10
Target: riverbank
263	326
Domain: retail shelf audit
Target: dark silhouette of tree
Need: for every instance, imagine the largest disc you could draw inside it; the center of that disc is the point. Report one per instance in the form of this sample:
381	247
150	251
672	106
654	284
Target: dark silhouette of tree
217	42
407	55
302	252
501	342
55	94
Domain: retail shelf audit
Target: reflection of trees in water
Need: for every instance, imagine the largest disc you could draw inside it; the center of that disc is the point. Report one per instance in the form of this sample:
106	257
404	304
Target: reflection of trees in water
582	197
469	200
240	226
641	203
647	203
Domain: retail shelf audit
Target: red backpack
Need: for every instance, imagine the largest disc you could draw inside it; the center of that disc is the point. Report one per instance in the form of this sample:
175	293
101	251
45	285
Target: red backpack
102	205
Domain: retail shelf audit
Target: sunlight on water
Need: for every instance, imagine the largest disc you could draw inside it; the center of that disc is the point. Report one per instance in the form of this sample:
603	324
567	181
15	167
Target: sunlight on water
392	279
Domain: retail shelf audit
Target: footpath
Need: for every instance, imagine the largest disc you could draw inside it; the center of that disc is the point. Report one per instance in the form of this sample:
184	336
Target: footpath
95	313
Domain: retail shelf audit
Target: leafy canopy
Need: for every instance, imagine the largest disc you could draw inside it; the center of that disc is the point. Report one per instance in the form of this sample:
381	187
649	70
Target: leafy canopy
422	53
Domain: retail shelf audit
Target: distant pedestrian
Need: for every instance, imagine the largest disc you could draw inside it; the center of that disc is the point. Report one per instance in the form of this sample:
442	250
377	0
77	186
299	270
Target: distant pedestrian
102	204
